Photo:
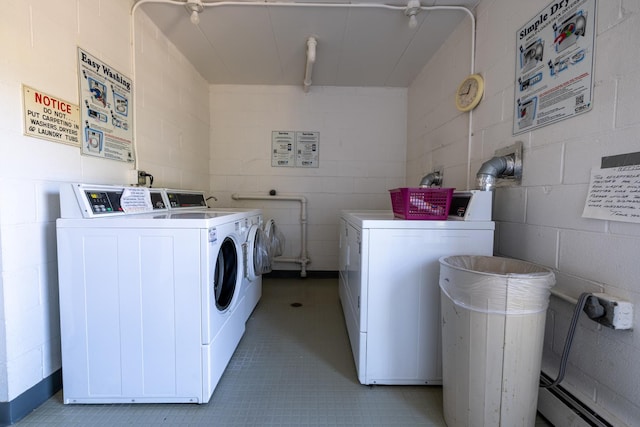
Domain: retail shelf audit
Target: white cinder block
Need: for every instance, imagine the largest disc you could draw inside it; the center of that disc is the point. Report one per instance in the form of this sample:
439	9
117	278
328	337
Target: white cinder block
28	246
23	372
509	204
531	243
601	257
21	196
362	143
573	286
542	165
560	206
624	228
584	154
21	294
620	409
617	44
627	109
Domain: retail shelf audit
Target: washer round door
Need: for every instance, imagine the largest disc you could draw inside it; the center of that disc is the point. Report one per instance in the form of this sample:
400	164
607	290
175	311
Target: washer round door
226	273
258	260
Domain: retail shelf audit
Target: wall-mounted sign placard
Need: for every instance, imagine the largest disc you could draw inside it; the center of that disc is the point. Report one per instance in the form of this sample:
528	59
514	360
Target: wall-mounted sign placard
614	194
51	118
106	110
283	144
554	64
307	146
295	149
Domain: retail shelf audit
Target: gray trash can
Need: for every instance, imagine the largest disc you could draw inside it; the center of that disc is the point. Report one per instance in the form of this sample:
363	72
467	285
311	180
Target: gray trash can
493	316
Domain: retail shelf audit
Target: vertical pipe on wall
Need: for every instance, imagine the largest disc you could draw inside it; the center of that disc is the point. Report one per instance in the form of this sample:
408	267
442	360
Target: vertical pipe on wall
311	59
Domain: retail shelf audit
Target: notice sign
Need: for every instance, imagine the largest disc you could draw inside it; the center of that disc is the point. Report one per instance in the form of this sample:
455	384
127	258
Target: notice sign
554	64
307	144
136	200
283	148
614	194
48	117
294	149
107	110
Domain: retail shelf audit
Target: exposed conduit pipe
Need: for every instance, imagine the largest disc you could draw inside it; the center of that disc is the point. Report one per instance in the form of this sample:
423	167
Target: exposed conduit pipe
318	5
564	297
311	59
303	259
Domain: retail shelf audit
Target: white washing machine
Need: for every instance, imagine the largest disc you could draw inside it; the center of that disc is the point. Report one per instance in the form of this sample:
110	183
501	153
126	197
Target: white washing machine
256	259
150	306
388	285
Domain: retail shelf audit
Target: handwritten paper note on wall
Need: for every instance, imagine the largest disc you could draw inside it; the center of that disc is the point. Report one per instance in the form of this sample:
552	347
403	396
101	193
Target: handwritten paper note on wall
614	194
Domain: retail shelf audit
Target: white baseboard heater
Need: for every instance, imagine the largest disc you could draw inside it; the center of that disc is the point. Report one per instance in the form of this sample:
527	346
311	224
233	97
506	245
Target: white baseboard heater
562	408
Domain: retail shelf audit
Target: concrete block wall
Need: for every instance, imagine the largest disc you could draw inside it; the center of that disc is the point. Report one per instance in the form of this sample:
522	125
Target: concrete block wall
173	112
39	41
540	221
361	156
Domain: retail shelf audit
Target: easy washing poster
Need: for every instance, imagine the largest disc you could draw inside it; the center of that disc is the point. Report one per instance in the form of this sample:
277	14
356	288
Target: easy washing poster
554	64
106	110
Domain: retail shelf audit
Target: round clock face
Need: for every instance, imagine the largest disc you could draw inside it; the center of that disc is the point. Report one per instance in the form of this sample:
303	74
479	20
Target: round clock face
469	92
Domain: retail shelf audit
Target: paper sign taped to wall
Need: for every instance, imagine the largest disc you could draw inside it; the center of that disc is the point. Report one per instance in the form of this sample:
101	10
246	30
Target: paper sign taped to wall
614	194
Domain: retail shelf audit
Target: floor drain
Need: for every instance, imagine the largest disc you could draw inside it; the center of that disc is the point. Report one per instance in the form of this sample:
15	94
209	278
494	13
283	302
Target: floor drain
296	304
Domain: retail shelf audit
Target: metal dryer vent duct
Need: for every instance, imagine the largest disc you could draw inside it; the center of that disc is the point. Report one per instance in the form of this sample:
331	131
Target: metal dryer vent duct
488	173
507	164
430	179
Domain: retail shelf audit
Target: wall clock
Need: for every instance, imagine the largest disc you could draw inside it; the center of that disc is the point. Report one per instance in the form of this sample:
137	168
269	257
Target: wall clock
469	92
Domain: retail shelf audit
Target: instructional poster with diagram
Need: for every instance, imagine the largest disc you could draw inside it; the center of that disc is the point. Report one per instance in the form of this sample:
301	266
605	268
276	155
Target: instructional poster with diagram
554	64
283	144
106	110
307	149
298	149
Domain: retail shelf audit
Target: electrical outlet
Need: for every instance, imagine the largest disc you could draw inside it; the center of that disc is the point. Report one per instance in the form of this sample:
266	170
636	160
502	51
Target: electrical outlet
618	314
142	178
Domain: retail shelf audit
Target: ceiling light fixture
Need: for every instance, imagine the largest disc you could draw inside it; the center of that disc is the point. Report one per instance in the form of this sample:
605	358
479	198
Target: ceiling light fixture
413	7
195	7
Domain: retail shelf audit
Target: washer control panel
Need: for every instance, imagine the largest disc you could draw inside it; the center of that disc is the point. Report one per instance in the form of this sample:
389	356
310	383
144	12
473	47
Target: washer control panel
92	201
186	199
104	202
471	205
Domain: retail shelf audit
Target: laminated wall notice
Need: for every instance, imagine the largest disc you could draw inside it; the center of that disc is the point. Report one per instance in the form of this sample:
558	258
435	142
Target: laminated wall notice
106	110
554	64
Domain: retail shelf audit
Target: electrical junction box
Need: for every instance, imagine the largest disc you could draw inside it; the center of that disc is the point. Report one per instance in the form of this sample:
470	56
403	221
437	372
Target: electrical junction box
618	314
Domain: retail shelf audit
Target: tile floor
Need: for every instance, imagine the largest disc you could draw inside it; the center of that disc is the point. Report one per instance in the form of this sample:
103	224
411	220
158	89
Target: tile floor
293	367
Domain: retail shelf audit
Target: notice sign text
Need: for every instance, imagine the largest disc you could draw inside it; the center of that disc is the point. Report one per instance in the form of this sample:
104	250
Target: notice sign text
48	117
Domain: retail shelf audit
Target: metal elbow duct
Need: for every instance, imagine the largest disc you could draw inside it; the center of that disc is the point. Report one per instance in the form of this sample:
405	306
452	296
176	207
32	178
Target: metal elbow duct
431	178
490	171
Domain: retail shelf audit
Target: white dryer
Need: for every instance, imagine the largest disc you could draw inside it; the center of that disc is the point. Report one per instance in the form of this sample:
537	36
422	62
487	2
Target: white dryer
149	302
388	285
256	260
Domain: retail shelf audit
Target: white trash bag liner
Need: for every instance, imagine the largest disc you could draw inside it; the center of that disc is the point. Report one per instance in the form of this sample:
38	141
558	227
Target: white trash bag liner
496	285
493	313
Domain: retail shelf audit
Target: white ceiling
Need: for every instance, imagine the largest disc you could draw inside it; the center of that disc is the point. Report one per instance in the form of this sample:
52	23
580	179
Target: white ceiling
266	45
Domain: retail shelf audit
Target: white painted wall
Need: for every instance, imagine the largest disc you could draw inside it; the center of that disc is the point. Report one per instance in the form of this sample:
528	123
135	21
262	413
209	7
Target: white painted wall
541	220
38	41
362	155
